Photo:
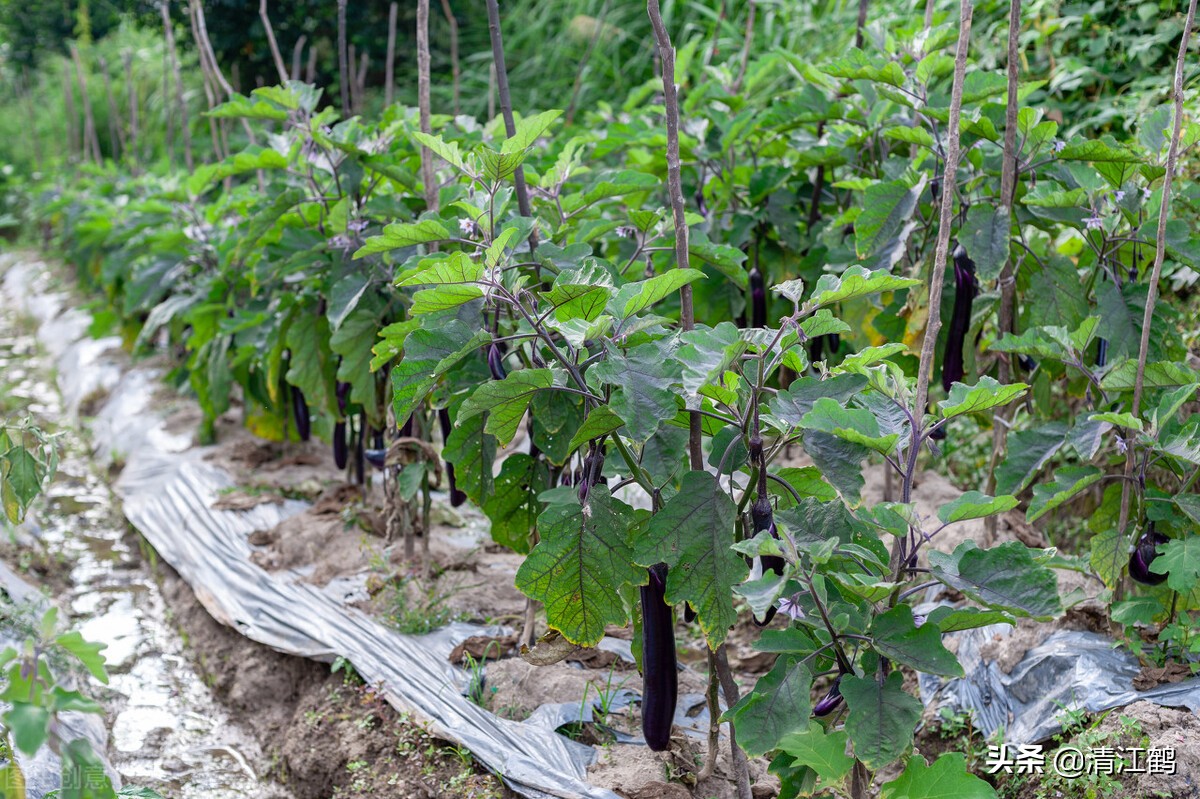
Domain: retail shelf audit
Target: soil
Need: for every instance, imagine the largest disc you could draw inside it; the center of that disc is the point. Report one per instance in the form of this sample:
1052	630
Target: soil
328	736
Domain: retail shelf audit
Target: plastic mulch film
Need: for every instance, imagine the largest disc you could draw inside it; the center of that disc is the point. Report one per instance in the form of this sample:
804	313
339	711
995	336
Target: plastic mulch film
168	491
1070	670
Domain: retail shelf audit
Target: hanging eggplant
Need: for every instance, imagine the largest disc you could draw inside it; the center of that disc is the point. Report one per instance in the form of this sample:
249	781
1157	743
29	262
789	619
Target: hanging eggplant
341	454
966	287
758	298
1144	553
660	677
1102	352
762	517
456	497
301	415
829	703
495	359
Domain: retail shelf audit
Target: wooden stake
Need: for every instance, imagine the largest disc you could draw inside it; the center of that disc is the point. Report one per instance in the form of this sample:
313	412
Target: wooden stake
389	67
1008	285
132	97
297	52
274	45
115	134
1160	249
180	101
510	127
428	179
90	139
343	66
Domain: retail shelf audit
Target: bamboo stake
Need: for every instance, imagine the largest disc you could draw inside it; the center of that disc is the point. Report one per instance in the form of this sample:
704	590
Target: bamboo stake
1008	285
310	71
115	134
297	52
73	148
1160	249
428	179
343	68
928	14
181	104
510	127
389	67
90	139
454	66
360	82
862	22
719	661
946	213
132	94
220	146
274	45
351	59
169	121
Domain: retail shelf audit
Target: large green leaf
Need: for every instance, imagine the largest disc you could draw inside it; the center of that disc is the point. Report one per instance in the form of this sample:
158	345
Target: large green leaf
975	505
633	298
513	507
1004	577
580	565
404	234
310	367
506	401
855	282
600	422
779	705
1028	452
1068	482
856	425
984	395
456	268
643	381
985	235
693	535
947	778
1159	374
887	209
428	354
1179	559
840	461
352	342
472	450
882	718
896	635
824	751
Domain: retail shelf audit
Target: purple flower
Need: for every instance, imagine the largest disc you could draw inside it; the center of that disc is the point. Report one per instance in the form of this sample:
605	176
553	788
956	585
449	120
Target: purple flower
1094	222
357	225
789	607
340	242
1146	193
1059	146
468	227
626	231
1119	195
919	619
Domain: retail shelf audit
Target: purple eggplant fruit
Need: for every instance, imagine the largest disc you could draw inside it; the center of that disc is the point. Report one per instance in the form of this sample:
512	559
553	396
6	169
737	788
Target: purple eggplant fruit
830	701
406	429
301	415
343	396
660	690
1027	363
1102	352
376	457
966	287
341	454
457	497
758	299
495	360
377	439
689	612
1144	554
